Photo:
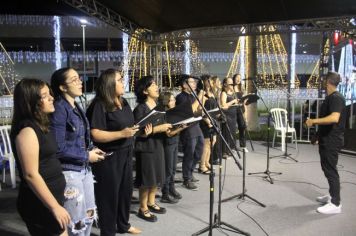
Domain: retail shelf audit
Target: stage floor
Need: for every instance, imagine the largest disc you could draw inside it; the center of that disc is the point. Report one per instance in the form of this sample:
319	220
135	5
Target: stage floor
290	201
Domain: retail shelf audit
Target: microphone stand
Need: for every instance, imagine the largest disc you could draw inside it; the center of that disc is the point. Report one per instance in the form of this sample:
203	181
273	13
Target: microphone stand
267	172
217	218
244	190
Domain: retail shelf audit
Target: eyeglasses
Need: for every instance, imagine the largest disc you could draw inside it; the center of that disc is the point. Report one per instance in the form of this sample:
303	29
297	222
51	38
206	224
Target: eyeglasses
76	80
231	84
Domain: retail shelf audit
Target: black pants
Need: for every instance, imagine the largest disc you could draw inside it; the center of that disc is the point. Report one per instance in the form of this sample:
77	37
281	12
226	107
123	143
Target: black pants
241	125
328	160
192	149
113	191
170	157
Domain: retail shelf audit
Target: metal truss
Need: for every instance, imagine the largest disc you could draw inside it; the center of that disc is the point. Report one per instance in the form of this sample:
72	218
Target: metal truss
98	10
344	23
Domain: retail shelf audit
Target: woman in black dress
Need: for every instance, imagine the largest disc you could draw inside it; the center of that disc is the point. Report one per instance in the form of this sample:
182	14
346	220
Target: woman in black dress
41	193
149	152
228	103
206	126
241	123
112	128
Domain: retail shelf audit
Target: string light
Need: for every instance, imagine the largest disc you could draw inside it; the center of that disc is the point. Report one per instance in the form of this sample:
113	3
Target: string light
57	41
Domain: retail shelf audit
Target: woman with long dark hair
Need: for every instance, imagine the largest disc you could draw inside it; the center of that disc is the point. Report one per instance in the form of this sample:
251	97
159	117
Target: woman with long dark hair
75	150
40	199
206	126
112	129
149	152
228	103
241	123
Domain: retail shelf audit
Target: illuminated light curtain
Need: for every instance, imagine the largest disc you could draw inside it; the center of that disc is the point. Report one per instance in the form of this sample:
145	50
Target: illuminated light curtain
292	63
57	41
125	42
187	56
168	64
242	59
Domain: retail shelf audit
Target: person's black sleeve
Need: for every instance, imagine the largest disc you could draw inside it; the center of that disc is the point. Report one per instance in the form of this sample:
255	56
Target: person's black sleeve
97	116
337	104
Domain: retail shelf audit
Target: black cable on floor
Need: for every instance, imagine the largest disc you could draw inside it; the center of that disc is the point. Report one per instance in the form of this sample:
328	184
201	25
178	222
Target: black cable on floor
299	182
255	221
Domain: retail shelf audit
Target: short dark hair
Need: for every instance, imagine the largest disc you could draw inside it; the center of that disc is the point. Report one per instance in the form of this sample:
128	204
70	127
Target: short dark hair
140	86
333	78
105	88
27	103
183	78
58	78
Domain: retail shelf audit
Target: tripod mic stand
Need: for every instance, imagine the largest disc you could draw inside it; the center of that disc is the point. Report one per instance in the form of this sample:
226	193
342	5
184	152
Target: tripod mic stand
217	222
267	172
244	190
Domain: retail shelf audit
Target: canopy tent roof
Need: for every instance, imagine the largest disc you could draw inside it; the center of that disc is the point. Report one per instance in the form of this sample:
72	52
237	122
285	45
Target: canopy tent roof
164	16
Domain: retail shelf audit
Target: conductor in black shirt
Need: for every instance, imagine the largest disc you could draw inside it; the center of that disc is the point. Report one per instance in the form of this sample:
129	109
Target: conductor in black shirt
331	139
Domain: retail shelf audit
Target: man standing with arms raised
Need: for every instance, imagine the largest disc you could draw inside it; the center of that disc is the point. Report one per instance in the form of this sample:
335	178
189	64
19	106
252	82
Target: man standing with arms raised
331	139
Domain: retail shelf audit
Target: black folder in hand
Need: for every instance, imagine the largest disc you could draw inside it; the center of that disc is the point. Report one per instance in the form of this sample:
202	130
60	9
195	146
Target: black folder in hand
249	98
154	118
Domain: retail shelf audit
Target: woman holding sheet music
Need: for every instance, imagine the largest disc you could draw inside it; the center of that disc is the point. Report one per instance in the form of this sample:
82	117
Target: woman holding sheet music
149	151
169	193
206	126
112	128
241	124
229	104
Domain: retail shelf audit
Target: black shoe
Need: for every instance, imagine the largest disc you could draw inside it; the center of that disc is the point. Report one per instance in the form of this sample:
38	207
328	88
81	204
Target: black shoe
194	180
157	209
173	192
143	215
166	198
190	185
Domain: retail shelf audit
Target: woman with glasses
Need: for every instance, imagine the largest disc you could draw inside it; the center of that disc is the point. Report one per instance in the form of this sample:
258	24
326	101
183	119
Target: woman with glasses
40	198
228	103
112	128
75	151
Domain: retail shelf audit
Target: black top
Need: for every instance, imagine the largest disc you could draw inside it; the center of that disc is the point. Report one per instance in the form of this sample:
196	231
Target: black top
209	104
231	111
149	143
333	134
193	130
116	120
49	166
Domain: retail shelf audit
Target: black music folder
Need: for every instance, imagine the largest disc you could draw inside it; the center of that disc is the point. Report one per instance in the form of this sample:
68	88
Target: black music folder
154	117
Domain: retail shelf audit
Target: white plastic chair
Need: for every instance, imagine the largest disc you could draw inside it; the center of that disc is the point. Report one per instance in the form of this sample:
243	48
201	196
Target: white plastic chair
6	153
280	119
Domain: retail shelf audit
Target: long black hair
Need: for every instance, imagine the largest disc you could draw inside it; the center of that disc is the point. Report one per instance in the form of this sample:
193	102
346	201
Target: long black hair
58	78
27	103
105	89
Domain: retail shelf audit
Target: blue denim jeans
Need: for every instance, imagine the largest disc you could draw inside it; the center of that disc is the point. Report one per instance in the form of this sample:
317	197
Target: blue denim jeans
79	201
